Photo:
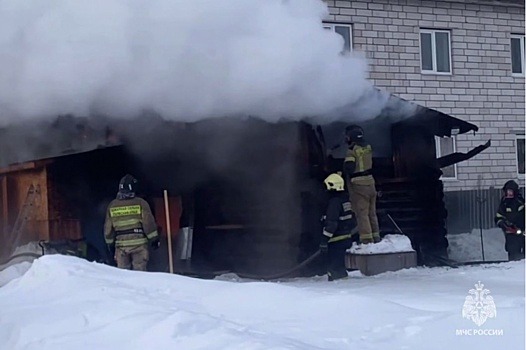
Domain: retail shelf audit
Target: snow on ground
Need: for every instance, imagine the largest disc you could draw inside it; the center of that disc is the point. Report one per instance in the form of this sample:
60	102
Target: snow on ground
388	244
64	302
468	246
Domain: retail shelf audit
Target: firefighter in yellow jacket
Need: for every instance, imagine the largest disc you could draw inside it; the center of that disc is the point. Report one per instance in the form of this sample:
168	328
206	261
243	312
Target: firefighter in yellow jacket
129	227
361	185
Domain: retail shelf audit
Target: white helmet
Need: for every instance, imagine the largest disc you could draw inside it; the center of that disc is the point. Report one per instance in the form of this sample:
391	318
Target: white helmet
334	182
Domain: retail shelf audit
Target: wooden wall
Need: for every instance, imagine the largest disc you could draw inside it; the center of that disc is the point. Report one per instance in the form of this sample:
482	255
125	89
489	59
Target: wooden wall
62	222
175	208
15	183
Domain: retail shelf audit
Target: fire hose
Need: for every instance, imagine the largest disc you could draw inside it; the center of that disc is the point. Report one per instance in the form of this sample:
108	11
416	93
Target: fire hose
284	273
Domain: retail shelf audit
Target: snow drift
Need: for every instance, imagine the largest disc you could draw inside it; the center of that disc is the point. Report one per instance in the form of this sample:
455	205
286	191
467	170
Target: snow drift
468	246
390	244
67	303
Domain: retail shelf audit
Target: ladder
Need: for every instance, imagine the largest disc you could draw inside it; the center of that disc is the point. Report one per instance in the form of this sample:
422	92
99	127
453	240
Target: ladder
26	211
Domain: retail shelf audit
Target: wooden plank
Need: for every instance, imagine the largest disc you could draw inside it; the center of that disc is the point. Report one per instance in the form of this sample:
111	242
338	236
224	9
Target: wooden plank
18	167
5	208
25	166
4	216
44	205
62	223
69	229
37	226
176	210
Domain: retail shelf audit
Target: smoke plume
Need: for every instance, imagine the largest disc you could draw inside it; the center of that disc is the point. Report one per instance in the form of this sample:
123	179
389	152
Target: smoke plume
184	59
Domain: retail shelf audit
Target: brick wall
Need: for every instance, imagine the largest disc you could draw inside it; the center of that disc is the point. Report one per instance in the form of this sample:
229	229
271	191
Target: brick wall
481	88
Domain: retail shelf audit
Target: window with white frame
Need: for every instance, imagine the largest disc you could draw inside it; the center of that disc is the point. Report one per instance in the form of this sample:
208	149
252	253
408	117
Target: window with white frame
435	51
517	54
445	146
519	142
345	30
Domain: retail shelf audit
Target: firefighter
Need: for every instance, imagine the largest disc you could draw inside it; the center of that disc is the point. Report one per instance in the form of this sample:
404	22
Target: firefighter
510	218
338	227
129	227
357	169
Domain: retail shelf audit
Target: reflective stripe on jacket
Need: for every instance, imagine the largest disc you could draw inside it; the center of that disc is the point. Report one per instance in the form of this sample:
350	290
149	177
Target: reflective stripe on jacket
361	157
339	218
129	222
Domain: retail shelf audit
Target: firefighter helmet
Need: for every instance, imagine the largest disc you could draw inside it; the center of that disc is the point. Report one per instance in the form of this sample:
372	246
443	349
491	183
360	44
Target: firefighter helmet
334	182
128	184
353	133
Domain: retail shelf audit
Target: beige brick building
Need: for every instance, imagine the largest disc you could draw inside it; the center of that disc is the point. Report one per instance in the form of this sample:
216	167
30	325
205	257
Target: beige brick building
461	57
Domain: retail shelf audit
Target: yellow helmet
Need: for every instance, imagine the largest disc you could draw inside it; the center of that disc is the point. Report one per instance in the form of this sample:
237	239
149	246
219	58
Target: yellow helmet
334	182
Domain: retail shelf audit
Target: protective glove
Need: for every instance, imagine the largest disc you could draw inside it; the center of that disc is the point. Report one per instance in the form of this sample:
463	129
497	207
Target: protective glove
324	244
514	230
155	243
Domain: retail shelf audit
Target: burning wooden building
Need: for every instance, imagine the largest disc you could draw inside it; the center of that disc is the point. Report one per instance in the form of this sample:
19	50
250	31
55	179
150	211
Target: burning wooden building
249	192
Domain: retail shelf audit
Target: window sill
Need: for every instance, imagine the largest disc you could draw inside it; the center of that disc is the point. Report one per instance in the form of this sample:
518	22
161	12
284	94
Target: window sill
430	72
517	75
449	179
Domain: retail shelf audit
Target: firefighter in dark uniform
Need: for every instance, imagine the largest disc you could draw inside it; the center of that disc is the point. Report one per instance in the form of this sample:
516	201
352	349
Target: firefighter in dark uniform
357	169
129	227
510	218
338	227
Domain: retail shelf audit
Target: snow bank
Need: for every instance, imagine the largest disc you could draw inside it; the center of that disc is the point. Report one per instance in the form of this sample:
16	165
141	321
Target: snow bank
468	246
64	302
389	244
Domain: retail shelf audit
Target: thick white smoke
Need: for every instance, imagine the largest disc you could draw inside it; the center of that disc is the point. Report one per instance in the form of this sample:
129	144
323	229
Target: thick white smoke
184	59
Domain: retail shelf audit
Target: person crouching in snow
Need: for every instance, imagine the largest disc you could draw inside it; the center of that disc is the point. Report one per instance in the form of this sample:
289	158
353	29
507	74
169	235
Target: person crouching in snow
338	226
510	218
